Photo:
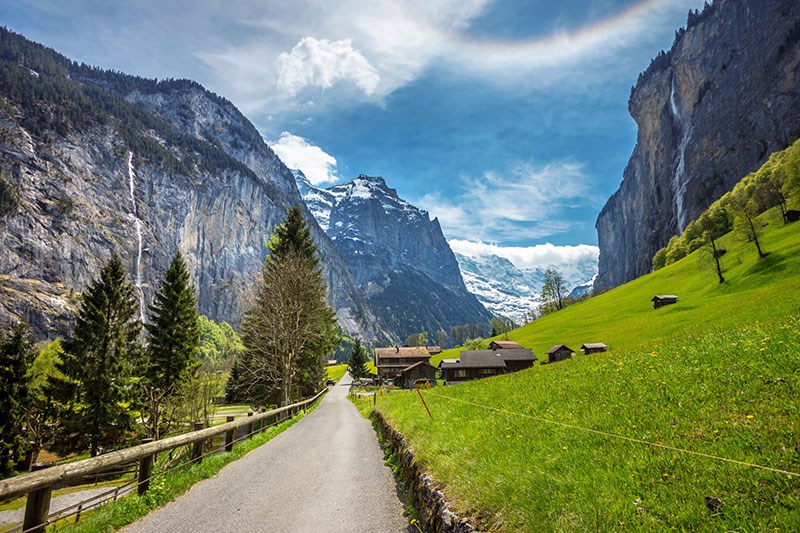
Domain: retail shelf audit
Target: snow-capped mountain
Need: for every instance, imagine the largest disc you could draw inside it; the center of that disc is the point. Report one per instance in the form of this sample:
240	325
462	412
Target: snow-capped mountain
512	292
396	254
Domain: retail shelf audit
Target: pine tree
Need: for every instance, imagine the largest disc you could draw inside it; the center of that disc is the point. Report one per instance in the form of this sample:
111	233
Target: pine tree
357	365
95	391
173	336
16	356
293	236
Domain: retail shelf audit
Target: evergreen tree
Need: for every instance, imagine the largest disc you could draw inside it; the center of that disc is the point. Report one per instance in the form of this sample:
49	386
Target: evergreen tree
357	365
16	356
94	390
291	328
173	336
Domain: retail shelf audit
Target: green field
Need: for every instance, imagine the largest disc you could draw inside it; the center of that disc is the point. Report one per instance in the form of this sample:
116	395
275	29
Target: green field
571	445
335	372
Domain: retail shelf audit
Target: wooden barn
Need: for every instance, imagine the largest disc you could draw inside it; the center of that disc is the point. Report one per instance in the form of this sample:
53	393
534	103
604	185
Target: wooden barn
421	370
593	347
474	364
559	352
660	300
390	361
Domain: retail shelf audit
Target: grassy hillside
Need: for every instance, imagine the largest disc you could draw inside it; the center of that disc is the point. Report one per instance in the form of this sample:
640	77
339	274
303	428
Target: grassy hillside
716	374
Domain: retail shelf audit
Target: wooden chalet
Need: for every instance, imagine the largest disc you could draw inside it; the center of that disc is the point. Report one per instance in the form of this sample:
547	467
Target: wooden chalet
408	376
593	347
474	364
505	345
559	352
434	350
660	300
390	361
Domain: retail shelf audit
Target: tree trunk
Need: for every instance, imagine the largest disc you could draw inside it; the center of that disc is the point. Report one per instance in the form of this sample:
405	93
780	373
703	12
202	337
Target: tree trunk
716	260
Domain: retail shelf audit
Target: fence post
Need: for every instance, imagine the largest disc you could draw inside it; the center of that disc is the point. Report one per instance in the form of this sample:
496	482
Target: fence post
37	507
250	426
197	450
229	435
145	470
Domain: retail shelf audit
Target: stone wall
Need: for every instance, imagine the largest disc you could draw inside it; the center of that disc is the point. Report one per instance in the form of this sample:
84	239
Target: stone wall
434	513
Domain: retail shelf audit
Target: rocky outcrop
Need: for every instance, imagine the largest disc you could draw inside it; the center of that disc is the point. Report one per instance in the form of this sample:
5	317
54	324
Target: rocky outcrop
709	111
100	163
398	257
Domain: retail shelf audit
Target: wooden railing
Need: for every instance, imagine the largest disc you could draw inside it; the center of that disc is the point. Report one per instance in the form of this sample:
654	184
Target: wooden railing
39	485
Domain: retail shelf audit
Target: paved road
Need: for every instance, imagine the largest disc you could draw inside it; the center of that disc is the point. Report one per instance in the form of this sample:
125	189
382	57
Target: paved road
325	473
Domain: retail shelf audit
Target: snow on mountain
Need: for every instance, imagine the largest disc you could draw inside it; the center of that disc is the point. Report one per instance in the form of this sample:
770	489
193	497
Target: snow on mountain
512	292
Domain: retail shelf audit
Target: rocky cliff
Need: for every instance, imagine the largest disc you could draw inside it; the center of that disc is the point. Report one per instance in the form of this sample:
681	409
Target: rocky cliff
709	111
98	163
398	257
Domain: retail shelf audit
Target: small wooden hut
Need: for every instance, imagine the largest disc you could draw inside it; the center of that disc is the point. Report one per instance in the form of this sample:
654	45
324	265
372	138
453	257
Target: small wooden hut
593	347
559	352
660	300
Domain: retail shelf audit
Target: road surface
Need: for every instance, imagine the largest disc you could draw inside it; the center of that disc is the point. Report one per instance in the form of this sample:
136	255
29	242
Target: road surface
325	473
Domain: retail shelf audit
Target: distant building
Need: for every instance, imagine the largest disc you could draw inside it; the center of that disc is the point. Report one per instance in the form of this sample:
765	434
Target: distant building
408	376
660	300
434	350
593	347
559	352
505	345
475	364
390	361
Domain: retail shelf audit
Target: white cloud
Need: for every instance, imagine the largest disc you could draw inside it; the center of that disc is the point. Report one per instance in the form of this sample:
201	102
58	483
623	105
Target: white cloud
295	152
321	63
527	202
541	255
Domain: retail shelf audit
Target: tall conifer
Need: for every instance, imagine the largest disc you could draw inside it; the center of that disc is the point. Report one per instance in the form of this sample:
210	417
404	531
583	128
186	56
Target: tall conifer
357	365
16	356
94	391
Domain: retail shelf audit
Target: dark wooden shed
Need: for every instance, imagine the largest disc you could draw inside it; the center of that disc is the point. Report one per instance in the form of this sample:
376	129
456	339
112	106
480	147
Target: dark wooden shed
660	300
593	347
472	364
559	352
421	370
792	215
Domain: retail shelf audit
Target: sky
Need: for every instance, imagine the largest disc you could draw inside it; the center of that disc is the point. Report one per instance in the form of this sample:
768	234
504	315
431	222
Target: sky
506	120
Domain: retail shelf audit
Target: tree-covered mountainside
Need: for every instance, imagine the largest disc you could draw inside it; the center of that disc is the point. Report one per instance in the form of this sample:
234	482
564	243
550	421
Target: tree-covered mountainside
96	162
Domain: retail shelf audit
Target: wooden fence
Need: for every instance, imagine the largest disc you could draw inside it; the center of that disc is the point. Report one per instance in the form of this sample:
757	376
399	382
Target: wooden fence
39	485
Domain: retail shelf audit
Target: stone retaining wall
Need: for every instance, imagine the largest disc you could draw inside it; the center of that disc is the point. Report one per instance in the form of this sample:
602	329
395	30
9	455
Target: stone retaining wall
430	503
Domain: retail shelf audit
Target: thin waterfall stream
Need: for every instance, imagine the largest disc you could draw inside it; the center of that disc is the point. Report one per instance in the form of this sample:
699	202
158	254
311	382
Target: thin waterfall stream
138	225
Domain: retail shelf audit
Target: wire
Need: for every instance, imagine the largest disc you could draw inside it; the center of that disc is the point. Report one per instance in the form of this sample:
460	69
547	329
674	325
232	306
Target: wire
622	437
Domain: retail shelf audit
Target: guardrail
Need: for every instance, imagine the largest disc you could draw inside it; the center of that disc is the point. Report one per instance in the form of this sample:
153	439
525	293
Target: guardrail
39	485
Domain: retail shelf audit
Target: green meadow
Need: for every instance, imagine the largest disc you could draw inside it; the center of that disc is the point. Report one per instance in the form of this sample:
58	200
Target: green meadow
681	425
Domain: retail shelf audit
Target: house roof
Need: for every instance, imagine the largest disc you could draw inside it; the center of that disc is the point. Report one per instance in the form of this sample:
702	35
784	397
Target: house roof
591	345
433	350
447	361
477	359
415	365
664	297
506	345
558	347
402	351
516	354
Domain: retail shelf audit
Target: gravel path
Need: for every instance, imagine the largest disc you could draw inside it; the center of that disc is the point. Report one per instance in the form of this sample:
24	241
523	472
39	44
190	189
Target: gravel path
325	473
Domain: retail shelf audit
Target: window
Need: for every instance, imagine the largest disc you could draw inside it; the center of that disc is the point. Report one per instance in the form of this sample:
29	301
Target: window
487	371
461	373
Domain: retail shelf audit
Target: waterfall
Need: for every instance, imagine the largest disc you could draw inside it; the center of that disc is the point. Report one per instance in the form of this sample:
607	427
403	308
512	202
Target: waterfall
680	168
138	225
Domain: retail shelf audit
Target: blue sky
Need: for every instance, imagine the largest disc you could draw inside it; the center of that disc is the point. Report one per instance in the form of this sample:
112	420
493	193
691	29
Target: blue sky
507	120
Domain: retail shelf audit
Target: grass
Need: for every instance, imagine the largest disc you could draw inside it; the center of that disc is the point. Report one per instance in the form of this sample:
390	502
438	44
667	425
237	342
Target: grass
717	374
164	489
336	372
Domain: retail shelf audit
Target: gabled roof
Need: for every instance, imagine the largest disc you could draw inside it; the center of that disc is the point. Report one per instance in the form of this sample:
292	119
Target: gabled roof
433	350
447	362
516	354
559	347
593	345
507	345
402	351
477	359
663	297
415	365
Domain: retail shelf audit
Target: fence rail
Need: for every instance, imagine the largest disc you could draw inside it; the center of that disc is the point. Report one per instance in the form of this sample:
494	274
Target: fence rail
39	485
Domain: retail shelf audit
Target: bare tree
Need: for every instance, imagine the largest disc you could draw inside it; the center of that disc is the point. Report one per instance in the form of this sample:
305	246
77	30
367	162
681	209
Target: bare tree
554	289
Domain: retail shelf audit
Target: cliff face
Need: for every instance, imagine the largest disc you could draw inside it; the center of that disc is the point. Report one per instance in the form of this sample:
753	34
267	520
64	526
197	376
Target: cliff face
709	111
102	163
397	256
